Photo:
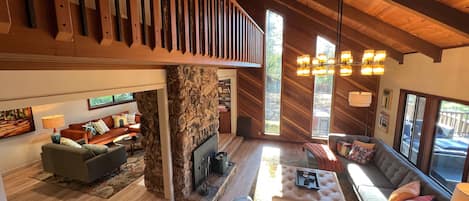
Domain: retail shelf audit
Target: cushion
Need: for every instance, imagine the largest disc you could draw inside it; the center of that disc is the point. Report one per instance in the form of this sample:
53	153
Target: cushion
131	118
360	154
115	132
120	120
422	198
365	145
69	142
343	148
366	175
371	193
408	191
96	148
100	126
90	129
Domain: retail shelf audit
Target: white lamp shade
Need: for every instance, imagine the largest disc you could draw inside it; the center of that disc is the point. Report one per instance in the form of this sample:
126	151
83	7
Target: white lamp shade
359	99
461	192
55	121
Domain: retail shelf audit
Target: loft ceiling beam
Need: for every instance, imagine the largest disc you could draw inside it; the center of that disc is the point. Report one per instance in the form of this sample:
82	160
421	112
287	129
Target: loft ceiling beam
385	29
299	11
437	12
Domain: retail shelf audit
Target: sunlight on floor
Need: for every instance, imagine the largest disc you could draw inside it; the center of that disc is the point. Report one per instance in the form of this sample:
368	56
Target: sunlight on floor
269	179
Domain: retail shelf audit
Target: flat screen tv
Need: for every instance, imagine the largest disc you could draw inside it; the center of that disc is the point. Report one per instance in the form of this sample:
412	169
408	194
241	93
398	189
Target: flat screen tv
200	157
16	122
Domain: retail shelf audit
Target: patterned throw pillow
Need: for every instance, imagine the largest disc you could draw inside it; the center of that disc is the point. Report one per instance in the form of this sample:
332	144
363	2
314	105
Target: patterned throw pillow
360	154
131	118
422	198
120	120
90	129
408	191
343	148
100	127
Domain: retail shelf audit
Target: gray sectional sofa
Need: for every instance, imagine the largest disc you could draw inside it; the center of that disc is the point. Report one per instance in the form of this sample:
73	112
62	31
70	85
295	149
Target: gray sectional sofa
388	171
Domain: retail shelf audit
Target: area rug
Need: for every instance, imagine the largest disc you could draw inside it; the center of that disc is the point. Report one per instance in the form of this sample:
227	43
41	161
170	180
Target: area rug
108	185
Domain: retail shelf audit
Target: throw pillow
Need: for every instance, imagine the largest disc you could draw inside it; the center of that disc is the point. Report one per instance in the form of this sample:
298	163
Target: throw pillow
408	191
120	120
100	127
360	154
131	118
422	198
90	129
69	142
363	144
343	148
96	148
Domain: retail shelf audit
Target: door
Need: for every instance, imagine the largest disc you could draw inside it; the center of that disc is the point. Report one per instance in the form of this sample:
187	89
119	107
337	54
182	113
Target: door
412	126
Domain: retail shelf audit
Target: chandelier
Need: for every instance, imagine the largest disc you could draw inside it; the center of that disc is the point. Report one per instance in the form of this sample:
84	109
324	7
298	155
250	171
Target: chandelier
372	61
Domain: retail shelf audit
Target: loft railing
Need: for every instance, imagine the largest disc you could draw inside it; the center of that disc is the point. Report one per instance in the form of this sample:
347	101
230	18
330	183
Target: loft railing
459	121
210	32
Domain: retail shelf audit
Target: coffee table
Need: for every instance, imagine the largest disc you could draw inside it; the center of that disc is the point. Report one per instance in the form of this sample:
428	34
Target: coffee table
277	183
129	140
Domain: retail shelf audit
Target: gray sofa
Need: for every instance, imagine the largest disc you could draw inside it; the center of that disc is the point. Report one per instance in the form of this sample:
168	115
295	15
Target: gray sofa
79	163
388	171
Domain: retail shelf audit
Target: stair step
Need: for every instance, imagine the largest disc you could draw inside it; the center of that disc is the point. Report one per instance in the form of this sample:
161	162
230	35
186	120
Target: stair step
234	145
225	140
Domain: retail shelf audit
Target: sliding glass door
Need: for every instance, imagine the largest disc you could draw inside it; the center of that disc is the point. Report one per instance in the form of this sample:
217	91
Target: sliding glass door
450	144
412	126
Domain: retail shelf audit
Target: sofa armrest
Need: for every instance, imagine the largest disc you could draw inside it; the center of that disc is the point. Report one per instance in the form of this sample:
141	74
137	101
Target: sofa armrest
74	134
335	137
106	163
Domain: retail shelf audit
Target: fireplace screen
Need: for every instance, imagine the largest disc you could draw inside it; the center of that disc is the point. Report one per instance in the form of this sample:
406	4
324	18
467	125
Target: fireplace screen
202	156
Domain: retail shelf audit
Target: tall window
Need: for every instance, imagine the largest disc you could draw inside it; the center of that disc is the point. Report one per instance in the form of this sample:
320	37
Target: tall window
323	86
433	134
273	74
105	101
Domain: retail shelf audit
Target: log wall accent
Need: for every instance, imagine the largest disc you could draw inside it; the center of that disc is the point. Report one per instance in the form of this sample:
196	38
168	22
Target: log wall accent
156	32
298	92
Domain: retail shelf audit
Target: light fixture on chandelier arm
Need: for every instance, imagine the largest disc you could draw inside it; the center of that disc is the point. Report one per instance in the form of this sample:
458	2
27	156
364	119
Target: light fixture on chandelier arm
372	61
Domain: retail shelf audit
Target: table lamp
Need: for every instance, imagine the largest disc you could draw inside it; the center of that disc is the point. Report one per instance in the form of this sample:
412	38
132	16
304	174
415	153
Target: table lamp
54	121
461	192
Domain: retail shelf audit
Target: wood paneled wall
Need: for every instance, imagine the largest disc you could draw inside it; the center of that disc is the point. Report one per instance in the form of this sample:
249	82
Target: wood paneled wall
203	32
297	92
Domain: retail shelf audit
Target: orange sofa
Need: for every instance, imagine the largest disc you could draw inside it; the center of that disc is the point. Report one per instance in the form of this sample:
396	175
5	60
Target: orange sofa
77	132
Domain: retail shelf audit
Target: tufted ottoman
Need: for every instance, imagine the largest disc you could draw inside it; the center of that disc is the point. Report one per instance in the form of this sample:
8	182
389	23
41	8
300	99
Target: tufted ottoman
280	186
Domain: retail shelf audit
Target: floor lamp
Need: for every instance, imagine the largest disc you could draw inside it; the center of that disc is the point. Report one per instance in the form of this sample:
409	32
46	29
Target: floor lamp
362	100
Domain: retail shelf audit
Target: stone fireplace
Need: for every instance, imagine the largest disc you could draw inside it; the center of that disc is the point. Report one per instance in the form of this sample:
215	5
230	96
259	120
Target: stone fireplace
193	118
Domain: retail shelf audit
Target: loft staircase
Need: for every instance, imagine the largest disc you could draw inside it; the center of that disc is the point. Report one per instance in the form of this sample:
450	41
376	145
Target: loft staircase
229	143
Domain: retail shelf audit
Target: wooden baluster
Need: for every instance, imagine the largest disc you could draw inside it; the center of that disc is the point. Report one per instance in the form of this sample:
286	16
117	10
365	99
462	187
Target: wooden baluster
243	39
145	39
83	18
5	18
135	23
225	29
214	29
206	27
31	13
197	26
120	36
64	20
105	18
230	41
220	28
155	6
180	26
186	26
174	33
238	35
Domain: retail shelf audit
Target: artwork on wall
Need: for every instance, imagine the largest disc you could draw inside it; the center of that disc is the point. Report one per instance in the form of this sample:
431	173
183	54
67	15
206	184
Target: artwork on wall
383	122
16	122
386	101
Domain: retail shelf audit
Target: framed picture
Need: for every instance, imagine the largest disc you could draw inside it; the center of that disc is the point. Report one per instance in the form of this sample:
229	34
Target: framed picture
383	121
16	122
386	101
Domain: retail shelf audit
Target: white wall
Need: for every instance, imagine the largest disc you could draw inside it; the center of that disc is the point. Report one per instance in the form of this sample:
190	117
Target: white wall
450	78
22	150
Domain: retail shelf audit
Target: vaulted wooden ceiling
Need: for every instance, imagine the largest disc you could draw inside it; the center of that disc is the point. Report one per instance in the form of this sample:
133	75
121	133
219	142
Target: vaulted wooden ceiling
402	26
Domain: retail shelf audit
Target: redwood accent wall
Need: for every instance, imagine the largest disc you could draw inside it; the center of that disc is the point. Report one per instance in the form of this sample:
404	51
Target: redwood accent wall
297	92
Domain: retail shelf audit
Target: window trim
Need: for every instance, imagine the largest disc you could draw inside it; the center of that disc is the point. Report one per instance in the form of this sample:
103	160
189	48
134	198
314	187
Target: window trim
110	104
432	108
281	76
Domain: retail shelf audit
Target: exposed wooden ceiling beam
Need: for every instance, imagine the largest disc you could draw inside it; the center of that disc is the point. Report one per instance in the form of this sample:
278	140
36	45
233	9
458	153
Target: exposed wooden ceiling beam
387	30
440	13
299	12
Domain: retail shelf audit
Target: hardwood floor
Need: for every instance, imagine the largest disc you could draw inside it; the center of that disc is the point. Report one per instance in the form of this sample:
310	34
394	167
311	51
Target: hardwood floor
20	186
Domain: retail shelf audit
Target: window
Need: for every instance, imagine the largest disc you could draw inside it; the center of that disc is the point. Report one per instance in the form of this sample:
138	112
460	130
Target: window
450	144
105	101
323	86
412	126
273	72
433	134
